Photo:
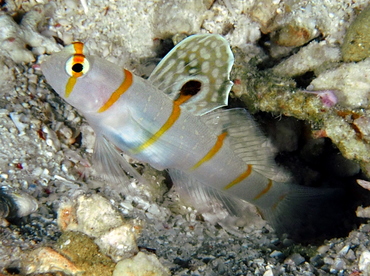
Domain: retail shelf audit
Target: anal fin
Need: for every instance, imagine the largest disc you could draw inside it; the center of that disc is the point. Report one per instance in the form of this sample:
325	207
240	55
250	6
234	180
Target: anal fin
215	205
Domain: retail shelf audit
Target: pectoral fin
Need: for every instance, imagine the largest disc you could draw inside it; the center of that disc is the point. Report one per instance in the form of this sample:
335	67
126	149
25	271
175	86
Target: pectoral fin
110	163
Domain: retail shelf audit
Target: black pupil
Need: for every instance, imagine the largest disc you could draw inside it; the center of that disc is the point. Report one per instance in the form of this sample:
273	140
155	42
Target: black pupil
78	67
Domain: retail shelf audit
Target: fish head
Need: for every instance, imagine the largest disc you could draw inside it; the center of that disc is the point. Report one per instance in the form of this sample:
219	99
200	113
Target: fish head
86	82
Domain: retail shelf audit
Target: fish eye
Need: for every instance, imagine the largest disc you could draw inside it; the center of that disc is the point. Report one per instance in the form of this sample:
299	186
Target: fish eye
77	65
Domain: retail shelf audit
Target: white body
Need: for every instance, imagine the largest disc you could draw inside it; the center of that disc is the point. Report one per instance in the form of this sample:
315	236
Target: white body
211	153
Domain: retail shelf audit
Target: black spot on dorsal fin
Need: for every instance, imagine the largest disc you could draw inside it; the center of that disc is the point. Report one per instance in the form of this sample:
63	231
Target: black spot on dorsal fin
192	87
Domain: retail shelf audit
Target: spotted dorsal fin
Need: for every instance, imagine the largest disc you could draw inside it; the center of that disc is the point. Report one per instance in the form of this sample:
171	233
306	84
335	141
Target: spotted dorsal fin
199	66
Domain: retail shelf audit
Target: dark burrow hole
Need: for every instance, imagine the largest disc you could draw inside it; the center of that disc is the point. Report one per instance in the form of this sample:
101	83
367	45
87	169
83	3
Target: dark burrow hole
304	80
162	47
319	165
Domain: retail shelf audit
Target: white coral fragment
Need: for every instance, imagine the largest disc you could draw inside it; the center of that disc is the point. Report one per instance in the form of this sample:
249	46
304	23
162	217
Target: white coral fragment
309	58
14	38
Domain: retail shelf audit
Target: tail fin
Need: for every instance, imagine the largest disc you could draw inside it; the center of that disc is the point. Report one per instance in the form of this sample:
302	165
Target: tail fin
311	214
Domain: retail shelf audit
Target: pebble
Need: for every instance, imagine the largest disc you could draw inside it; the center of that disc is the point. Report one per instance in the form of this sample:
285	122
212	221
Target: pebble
47	260
294	259
94	215
364	263
141	265
119	243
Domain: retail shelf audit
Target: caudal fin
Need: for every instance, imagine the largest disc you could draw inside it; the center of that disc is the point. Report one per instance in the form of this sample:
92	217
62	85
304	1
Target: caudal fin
311	214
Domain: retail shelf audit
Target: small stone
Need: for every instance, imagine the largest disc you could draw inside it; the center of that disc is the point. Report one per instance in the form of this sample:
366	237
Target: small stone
294	259
94	216
276	254
119	243
141	265
362	212
363	126
46	260
364	263
293	35
344	250
338	264
268	272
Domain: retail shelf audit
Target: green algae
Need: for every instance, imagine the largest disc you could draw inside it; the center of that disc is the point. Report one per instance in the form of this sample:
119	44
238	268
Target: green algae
85	254
356	44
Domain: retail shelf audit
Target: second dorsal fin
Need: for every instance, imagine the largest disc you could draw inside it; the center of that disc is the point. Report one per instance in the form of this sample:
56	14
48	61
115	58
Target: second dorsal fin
200	66
246	140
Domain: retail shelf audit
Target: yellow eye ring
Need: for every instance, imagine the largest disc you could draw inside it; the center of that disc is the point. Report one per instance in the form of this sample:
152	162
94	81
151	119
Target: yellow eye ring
77	65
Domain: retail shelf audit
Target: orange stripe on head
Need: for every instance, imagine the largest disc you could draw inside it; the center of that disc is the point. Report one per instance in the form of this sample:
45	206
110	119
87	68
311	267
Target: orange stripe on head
70	85
127	82
264	191
77	59
78	47
239	178
217	146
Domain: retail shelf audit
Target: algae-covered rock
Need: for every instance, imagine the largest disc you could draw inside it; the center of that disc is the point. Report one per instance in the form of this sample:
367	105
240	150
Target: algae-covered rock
356	45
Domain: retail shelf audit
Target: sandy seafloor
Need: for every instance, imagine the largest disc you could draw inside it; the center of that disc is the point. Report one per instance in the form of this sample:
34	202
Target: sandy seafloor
282	49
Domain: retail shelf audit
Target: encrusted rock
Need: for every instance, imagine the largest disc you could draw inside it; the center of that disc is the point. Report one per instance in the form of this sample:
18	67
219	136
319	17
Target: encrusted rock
95	216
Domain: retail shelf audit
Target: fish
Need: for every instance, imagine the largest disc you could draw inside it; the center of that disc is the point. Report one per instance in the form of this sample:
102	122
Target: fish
177	120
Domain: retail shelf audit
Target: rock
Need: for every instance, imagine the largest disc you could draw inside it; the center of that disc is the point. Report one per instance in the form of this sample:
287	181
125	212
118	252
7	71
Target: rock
92	215
85	254
294	259
364	263
141	265
294	35
95	216
47	260
119	243
179	17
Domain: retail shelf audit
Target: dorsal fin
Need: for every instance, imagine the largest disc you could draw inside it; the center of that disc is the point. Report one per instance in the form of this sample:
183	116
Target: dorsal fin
199	66
246	140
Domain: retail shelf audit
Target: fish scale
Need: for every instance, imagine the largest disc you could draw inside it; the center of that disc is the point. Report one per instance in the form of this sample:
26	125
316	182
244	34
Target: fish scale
174	121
